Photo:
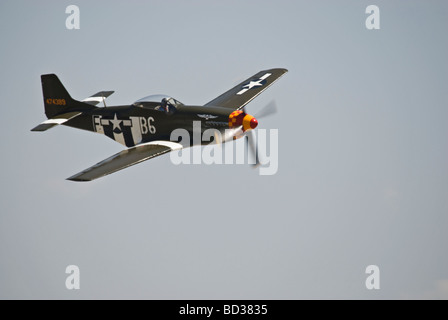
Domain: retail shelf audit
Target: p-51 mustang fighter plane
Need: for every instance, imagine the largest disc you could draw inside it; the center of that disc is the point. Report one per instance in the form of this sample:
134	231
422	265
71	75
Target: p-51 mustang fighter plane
146	125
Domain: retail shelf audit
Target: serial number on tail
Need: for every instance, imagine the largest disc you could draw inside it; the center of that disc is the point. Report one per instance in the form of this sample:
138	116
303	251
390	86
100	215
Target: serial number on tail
57	102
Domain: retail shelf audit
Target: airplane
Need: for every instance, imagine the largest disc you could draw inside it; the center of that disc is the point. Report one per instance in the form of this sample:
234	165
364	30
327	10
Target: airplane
145	126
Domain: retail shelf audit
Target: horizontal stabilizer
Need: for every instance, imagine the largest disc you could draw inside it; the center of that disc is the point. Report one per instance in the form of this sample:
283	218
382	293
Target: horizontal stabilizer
60	119
126	158
98	97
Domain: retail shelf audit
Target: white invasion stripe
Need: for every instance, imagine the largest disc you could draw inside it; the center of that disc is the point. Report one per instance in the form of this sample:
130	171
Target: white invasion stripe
97	123
136	130
172	145
99	128
119	137
265	76
55	121
98	99
169	144
242	91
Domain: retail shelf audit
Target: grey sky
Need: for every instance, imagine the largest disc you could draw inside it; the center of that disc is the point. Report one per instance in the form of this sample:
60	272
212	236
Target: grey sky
362	152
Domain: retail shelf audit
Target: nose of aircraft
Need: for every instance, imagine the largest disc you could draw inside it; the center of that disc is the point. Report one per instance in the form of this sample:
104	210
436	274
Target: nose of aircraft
249	122
253	123
239	118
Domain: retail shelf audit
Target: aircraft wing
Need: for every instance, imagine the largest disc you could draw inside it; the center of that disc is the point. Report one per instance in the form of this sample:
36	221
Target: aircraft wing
97	97
246	91
126	158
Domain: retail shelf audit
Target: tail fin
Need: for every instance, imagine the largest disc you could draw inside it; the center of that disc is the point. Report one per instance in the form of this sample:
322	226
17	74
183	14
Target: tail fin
56	98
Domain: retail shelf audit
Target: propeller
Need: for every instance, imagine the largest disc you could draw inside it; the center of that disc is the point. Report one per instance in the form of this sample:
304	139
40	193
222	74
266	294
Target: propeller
228	136
267	110
251	141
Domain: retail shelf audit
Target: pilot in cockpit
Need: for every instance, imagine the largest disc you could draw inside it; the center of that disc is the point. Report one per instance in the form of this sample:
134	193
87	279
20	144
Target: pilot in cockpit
166	106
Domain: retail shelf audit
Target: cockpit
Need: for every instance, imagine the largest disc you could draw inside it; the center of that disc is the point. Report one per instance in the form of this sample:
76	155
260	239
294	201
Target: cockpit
159	102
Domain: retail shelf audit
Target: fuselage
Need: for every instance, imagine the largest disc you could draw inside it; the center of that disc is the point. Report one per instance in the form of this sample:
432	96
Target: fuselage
134	124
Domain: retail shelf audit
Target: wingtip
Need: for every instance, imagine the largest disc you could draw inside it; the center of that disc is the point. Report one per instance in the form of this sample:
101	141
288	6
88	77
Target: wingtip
37	129
284	70
73	178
